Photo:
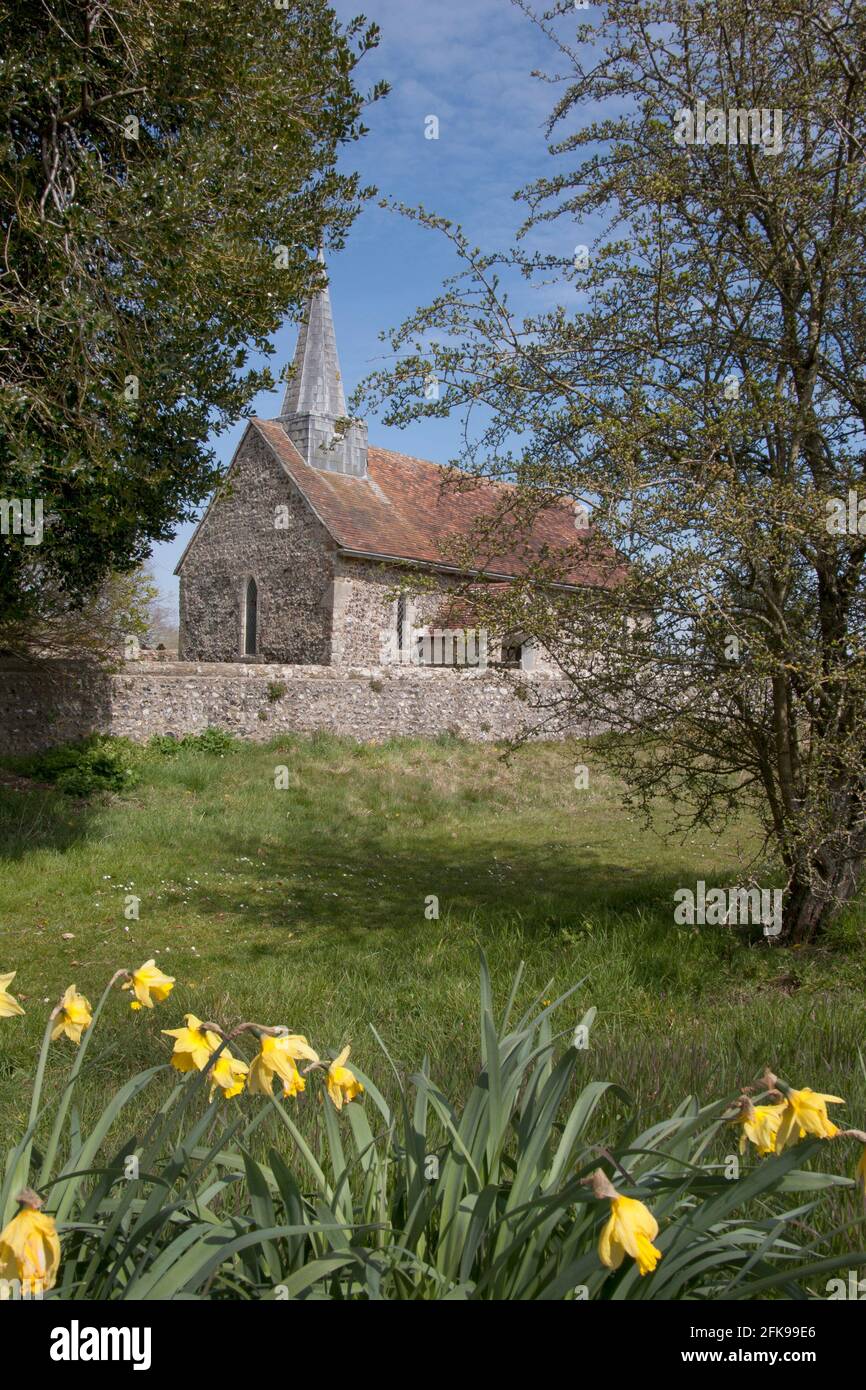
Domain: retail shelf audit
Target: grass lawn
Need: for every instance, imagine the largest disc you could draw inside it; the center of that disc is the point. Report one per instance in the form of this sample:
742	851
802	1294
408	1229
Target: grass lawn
307	905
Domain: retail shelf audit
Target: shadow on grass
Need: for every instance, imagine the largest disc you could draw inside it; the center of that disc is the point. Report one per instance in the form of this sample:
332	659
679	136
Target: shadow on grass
41	818
360	885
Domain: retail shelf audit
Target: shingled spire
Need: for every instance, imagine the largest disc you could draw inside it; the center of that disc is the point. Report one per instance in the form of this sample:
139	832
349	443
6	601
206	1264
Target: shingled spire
315	400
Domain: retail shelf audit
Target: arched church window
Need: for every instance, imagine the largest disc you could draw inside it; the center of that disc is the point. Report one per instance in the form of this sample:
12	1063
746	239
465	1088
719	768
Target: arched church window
251	616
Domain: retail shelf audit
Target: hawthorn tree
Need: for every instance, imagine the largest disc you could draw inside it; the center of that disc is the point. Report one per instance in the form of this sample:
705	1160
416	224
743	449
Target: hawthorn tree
699	392
167	173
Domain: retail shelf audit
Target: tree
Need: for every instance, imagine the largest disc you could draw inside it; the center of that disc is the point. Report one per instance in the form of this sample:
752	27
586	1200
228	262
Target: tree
162	619
167	173
700	389
111	623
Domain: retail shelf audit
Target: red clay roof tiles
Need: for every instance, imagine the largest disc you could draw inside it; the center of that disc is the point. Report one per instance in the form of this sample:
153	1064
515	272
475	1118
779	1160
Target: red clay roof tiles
411	509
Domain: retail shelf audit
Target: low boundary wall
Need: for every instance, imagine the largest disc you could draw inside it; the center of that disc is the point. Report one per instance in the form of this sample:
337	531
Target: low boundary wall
56	702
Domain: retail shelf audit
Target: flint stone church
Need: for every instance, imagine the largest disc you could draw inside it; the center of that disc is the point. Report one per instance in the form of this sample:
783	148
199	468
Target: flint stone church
306	553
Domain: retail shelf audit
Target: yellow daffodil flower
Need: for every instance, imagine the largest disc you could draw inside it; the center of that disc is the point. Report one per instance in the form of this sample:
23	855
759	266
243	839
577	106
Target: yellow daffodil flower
630	1229
759	1124
74	1016
229	1075
343	1085
279	1057
148	984
9	1006
30	1247
806	1113
194	1045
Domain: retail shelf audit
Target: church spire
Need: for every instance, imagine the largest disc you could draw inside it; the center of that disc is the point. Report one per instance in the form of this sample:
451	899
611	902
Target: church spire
315	400
316	386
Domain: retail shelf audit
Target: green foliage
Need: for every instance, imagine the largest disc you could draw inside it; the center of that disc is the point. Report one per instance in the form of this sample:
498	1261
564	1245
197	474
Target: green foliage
97	764
276	691
215	741
696	388
167	173
163	745
424	1200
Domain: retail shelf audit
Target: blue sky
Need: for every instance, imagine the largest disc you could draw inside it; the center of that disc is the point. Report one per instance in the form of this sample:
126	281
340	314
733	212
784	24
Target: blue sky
468	62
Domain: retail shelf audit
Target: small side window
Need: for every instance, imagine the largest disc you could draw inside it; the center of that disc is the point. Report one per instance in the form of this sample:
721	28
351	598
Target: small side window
251	617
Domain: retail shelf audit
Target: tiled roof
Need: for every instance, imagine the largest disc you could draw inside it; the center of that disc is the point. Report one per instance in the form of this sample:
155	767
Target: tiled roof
410	509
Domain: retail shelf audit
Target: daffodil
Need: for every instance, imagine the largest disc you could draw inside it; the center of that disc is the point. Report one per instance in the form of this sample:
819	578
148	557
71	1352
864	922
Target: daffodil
343	1085
758	1124
860	1169
30	1247
805	1113
229	1075
9	1006
148	984
194	1044
279	1057
630	1229
74	1016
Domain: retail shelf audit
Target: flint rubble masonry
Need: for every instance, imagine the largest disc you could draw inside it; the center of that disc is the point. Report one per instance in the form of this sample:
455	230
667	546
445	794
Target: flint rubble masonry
58	702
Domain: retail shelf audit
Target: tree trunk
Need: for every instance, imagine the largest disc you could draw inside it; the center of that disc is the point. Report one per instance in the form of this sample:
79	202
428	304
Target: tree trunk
814	901
805	915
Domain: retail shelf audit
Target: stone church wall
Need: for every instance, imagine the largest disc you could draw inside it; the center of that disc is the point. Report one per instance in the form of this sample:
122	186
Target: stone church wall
41	706
292	565
365	612
365	608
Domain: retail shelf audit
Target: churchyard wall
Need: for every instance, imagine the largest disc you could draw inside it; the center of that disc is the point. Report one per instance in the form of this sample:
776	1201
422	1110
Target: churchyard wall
55	702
